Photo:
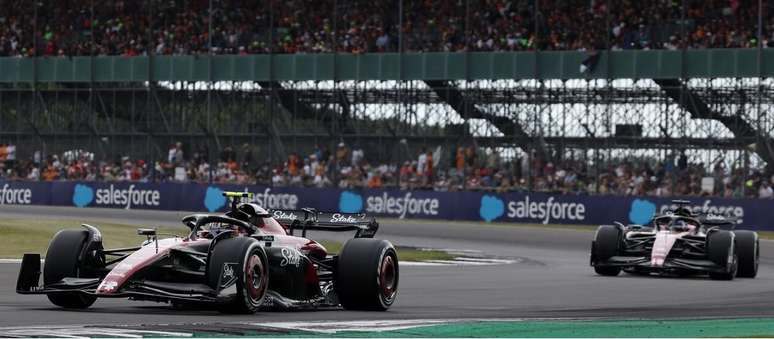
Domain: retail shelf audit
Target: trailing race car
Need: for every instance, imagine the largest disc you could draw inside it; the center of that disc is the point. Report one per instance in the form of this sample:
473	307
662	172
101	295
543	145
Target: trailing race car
678	242
238	262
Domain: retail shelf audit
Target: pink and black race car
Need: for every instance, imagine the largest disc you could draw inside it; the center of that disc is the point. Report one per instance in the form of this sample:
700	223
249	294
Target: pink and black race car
678	242
238	262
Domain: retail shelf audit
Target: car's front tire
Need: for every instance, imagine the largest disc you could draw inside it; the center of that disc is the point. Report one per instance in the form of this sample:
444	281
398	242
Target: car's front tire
721	251
63	260
247	265
606	243
748	253
367	275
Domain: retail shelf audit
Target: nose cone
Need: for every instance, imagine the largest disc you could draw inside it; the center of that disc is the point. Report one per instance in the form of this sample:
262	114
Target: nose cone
661	247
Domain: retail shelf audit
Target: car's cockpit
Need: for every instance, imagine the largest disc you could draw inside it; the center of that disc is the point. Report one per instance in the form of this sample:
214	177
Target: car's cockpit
677	224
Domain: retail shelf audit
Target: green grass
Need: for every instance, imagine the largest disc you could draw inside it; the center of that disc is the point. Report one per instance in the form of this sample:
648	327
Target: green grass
683	328
469	223
768	235
21	236
404	253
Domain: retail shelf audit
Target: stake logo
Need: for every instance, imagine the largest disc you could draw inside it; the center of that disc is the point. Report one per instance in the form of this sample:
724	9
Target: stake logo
227	275
290	257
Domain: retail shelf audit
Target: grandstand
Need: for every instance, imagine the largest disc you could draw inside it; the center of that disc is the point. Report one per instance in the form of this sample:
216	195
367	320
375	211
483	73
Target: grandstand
578	96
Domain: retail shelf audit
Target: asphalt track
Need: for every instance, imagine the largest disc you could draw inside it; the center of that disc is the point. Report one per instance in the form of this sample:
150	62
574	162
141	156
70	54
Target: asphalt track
552	279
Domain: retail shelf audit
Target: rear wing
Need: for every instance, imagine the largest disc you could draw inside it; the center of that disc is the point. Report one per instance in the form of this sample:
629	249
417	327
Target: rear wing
311	219
712	220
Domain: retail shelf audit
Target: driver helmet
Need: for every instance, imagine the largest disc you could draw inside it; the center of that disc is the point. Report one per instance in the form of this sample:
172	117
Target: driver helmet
254	212
217	229
685	225
682	211
662	223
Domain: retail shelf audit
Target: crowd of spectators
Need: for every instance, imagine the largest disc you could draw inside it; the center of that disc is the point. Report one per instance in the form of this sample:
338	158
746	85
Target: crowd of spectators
182	27
463	168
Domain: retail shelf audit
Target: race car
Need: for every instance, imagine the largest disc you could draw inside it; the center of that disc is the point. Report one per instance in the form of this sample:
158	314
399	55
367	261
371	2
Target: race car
242	261
678	242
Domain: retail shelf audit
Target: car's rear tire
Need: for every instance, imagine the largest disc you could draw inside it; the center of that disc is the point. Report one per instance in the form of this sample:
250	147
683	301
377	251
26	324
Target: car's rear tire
721	251
748	253
367	275
63	260
248	262
605	246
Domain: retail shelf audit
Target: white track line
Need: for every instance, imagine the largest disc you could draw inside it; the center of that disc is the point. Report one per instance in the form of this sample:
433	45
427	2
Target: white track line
322	327
84	331
459	261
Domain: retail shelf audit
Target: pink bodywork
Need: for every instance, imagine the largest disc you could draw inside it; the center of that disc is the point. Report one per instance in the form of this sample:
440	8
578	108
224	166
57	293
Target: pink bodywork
139	259
148	254
663	243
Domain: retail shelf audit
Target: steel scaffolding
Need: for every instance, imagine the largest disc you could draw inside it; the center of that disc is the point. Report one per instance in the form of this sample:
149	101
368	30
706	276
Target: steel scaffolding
723	119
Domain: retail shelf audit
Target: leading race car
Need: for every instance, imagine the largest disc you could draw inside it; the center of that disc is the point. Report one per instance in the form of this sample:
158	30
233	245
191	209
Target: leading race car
678	242
238	262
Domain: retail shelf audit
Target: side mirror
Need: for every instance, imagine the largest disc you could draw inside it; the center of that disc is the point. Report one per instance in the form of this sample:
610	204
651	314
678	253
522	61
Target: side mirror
146	232
151	234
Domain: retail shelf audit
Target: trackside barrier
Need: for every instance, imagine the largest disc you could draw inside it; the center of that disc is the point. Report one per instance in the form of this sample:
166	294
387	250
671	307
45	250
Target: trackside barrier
526	207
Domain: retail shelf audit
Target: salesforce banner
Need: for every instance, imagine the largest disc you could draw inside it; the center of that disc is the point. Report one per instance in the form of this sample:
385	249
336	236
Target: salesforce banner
25	193
594	210
537	208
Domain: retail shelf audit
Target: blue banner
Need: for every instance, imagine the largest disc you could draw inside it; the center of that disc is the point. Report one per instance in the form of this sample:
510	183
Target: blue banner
526	207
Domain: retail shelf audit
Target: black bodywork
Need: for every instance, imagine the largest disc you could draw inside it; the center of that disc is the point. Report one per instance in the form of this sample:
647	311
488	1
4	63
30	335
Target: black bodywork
702	244
180	275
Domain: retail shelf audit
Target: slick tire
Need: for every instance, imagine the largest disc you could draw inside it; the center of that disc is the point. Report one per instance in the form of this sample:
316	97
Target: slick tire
248	271
721	251
748	253
63	260
367	275
605	245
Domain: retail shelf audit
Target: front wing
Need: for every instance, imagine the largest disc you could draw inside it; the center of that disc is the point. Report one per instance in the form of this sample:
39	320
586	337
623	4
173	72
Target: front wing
670	264
29	277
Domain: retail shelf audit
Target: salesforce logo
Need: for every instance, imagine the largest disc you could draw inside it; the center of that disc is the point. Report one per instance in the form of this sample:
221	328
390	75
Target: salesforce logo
491	208
15	196
641	211
399	206
82	195
543	210
350	202
214	199
708	207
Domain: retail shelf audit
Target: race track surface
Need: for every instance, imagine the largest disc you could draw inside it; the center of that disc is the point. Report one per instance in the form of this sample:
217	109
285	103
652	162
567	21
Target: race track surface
551	279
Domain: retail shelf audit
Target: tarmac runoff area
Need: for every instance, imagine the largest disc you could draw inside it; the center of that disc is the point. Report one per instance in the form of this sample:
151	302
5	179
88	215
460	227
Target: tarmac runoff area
544	289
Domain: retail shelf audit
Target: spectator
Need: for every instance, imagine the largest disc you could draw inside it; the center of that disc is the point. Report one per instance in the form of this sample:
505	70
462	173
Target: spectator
765	191
422	161
179	27
647	177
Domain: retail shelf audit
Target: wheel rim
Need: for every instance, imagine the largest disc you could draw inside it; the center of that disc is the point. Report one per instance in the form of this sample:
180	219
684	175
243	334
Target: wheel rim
255	279
388	278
